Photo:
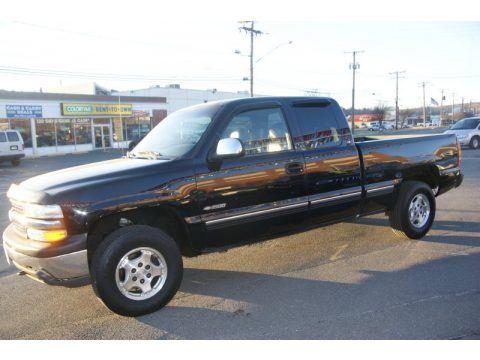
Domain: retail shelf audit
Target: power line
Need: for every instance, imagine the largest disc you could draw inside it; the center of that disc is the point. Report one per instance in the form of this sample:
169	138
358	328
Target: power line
106	76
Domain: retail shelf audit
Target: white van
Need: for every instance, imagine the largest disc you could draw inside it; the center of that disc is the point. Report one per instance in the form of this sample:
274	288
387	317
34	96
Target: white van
11	146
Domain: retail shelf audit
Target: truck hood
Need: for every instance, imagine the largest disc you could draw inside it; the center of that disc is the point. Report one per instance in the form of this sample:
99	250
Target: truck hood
100	180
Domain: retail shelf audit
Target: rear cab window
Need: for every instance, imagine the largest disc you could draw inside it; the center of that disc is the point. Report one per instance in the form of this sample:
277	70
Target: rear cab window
318	126
3	137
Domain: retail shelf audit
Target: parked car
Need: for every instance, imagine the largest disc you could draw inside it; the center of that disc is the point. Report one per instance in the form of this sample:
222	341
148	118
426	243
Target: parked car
134	142
11	146
215	175
376	127
467	131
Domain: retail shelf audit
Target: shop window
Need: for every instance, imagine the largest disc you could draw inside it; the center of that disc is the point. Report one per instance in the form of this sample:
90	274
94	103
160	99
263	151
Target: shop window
65	132
83	131
23	126
4	124
137	128
45	132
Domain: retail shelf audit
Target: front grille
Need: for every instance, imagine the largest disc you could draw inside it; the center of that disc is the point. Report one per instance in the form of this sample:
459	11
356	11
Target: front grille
17	206
19	229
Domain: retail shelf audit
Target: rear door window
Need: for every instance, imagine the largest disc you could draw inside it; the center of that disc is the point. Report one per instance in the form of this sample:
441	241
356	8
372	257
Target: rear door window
12	136
3	137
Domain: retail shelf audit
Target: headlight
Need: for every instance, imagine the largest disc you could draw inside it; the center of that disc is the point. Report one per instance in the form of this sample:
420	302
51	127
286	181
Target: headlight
43	211
461	137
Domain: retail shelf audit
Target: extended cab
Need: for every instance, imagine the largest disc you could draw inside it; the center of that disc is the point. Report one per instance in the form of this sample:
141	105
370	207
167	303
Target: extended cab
198	178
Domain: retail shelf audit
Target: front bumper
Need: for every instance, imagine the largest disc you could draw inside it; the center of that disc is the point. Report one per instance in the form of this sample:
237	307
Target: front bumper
464	141
60	268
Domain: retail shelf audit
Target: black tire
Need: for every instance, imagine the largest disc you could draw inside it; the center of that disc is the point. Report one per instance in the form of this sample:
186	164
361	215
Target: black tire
415	193
114	248
475	142
15	162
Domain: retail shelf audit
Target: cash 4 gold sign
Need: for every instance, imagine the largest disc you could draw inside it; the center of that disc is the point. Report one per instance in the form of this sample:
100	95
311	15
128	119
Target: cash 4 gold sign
74	109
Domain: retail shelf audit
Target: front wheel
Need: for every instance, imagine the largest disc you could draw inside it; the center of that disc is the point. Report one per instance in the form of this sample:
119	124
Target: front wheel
136	270
414	211
475	142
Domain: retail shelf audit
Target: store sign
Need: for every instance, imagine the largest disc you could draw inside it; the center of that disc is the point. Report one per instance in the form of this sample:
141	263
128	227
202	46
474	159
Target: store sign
23	111
74	109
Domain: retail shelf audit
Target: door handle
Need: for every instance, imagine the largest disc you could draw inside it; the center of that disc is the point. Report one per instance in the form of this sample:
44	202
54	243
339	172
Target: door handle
294	168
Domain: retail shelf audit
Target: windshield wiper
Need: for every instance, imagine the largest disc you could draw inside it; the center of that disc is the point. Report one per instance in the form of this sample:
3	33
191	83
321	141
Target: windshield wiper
146	154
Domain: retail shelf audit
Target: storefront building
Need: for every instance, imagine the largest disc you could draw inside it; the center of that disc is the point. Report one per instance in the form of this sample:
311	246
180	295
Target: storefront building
68	123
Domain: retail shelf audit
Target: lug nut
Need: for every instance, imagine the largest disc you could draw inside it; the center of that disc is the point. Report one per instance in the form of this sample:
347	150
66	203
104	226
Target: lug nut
149	275
147	267
140	264
134	271
142	281
134	278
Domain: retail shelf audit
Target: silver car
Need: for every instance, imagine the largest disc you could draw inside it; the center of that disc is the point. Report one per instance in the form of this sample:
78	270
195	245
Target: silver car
467	131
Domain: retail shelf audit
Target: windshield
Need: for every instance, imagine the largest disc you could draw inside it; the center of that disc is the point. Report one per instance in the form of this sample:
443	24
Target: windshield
469	123
177	134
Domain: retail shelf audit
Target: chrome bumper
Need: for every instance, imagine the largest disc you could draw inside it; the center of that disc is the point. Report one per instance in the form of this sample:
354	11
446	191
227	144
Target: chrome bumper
66	269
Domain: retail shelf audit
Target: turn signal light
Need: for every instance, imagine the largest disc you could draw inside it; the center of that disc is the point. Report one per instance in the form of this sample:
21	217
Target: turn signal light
46	235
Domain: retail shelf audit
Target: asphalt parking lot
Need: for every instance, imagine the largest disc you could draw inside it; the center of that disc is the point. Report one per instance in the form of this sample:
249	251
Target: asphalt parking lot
352	280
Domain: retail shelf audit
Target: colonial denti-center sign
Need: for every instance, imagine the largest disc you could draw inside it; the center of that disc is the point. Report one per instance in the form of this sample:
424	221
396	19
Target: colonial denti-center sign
75	109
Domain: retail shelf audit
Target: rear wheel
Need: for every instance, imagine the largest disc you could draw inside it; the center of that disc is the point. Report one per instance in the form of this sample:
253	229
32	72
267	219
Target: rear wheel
475	142
414	211
136	270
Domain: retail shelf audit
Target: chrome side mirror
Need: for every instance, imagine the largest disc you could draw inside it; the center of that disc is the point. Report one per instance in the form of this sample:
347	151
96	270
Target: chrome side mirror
229	148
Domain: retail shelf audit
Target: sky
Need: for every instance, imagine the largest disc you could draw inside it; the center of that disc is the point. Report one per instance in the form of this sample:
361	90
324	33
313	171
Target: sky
123	45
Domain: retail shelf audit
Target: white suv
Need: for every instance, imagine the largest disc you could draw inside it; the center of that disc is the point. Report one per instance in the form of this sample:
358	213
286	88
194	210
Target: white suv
11	146
467	131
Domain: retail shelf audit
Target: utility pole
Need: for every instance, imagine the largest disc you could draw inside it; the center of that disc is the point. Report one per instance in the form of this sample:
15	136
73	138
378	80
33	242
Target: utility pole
424	109
253	33
354	66
453	105
396	97
463	104
441	108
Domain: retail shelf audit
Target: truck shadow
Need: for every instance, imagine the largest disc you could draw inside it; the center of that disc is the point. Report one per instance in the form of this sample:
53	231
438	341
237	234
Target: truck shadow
444	225
402	304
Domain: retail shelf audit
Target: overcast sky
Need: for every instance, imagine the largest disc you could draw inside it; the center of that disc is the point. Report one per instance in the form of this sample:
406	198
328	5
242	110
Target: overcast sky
125	45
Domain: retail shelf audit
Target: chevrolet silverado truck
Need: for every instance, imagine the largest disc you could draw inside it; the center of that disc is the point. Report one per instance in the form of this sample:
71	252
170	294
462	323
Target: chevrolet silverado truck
212	176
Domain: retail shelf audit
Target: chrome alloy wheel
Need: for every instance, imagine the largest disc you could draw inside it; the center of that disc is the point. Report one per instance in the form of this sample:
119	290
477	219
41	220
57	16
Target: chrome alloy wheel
419	210
141	273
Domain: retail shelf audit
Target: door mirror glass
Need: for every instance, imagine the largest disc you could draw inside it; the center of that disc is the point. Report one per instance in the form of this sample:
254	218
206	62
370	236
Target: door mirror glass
229	148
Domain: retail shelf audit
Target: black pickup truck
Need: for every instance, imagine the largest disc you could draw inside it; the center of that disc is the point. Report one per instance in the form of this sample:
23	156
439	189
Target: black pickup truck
215	175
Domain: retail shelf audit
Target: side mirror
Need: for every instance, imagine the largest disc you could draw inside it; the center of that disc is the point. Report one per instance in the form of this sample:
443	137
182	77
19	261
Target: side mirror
229	148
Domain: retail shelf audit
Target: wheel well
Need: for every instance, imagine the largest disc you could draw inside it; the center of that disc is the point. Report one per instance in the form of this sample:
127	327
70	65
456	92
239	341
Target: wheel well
429	175
161	218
